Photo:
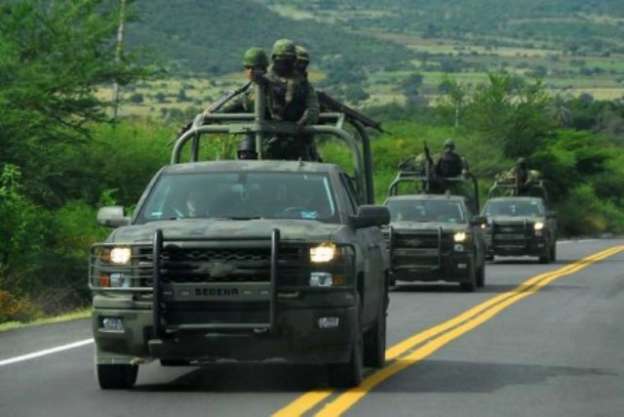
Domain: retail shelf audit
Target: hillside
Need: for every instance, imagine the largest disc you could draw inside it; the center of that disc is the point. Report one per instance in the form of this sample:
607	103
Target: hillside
595	23
199	36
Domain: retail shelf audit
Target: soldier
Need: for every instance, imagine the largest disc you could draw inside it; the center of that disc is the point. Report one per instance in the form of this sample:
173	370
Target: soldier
450	164
521	176
301	69
255	64
302	61
291	97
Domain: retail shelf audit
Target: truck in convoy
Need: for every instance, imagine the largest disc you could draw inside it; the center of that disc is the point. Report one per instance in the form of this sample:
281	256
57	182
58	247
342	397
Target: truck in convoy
435	235
520	223
245	260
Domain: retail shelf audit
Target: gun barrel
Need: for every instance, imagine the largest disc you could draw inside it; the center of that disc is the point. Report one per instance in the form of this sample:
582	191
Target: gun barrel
333	104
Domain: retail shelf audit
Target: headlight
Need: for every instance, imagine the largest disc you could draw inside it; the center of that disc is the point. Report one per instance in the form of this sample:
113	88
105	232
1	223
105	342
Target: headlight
323	253
120	256
460	237
538	226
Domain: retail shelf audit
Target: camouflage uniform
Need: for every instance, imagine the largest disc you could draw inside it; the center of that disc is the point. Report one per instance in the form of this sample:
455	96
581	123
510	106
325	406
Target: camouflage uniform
450	164
256	60
290	98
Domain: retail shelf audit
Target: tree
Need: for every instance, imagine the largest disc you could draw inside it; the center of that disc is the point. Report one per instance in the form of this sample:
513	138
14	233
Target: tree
512	113
53	56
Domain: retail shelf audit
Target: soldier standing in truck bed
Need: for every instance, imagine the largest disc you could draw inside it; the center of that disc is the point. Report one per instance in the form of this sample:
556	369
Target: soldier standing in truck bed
450	164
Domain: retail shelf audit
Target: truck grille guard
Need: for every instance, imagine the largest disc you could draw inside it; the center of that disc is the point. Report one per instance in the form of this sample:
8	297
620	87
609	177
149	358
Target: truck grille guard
393	239
159	306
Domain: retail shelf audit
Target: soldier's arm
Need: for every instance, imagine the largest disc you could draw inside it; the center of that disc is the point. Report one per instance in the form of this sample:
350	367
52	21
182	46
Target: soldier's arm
311	114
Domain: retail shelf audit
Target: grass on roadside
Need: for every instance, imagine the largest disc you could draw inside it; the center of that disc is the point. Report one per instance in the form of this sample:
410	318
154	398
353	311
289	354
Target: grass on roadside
74	315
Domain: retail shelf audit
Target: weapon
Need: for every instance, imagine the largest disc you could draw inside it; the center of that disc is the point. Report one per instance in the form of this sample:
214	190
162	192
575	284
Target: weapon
217	105
331	103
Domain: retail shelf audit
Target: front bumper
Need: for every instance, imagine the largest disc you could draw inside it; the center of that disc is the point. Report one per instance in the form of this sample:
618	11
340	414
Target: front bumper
295	338
450	267
526	246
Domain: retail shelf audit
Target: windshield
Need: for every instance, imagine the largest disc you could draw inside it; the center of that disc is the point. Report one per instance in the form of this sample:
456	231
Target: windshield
439	211
515	208
247	195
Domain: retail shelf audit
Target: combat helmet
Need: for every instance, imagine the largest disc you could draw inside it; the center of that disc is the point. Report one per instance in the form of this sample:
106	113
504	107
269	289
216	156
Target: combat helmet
449	143
521	162
255	57
284	49
302	54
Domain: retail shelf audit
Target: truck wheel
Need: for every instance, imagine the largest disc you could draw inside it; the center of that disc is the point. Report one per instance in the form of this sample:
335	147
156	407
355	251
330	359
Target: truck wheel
546	256
117	376
481	276
471	284
348	375
375	342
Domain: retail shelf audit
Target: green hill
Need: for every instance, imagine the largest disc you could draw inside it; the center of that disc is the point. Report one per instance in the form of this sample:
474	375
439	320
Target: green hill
201	36
588	22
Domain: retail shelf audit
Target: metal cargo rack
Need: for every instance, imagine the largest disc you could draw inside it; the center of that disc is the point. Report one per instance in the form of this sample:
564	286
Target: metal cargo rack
426	181
257	124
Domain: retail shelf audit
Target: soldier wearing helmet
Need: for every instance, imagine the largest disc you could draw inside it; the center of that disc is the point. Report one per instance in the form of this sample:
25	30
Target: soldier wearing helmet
450	164
302	61
521	176
255	65
290	98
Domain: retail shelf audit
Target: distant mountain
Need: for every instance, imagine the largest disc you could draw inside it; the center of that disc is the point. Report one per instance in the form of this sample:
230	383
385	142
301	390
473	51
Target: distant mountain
211	35
550	20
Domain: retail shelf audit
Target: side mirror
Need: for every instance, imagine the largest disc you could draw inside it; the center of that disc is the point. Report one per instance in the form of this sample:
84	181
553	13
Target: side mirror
369	216
478	221
112	216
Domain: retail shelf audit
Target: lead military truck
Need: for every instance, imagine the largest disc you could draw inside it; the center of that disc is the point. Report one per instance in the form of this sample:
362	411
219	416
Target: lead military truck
436	236
263	261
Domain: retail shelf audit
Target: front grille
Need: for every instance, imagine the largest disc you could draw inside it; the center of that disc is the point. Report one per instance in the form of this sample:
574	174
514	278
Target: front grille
215	312
195	265
511	234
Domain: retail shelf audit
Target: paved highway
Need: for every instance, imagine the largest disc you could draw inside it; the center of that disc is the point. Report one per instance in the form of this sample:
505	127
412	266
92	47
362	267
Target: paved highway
538	340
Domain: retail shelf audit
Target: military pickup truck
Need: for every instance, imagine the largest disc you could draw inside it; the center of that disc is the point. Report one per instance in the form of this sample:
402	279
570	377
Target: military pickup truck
520	226
520	223
263	261
435	237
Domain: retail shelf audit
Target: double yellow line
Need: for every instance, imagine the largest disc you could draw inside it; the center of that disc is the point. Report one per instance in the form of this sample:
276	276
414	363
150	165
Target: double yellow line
403	354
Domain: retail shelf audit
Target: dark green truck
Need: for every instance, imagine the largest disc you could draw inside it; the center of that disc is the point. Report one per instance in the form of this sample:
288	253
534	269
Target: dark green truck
262	261
435	236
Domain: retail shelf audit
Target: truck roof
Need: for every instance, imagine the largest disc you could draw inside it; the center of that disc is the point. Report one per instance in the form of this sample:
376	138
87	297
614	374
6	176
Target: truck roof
427	197
247	165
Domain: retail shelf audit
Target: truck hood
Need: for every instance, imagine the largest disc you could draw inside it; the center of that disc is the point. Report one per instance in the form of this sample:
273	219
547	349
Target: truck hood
304	230
447	227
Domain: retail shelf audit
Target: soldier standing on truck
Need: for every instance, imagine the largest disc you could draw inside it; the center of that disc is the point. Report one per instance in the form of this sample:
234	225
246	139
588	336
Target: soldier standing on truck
450	164
301	69
521	176
290	98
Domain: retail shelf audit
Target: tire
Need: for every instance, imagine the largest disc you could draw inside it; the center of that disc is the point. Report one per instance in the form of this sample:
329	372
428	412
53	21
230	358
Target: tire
350	374
471	284
375	342
481	276
546	258
117	376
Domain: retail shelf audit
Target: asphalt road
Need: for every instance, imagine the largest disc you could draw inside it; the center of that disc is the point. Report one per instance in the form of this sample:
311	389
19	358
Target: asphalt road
554	347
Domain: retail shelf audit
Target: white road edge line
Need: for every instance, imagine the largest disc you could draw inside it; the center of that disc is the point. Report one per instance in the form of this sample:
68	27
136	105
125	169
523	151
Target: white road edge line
45	352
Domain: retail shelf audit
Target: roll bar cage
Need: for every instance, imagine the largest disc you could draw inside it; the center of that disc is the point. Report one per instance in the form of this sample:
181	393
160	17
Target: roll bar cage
538	188
257	124
426	180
